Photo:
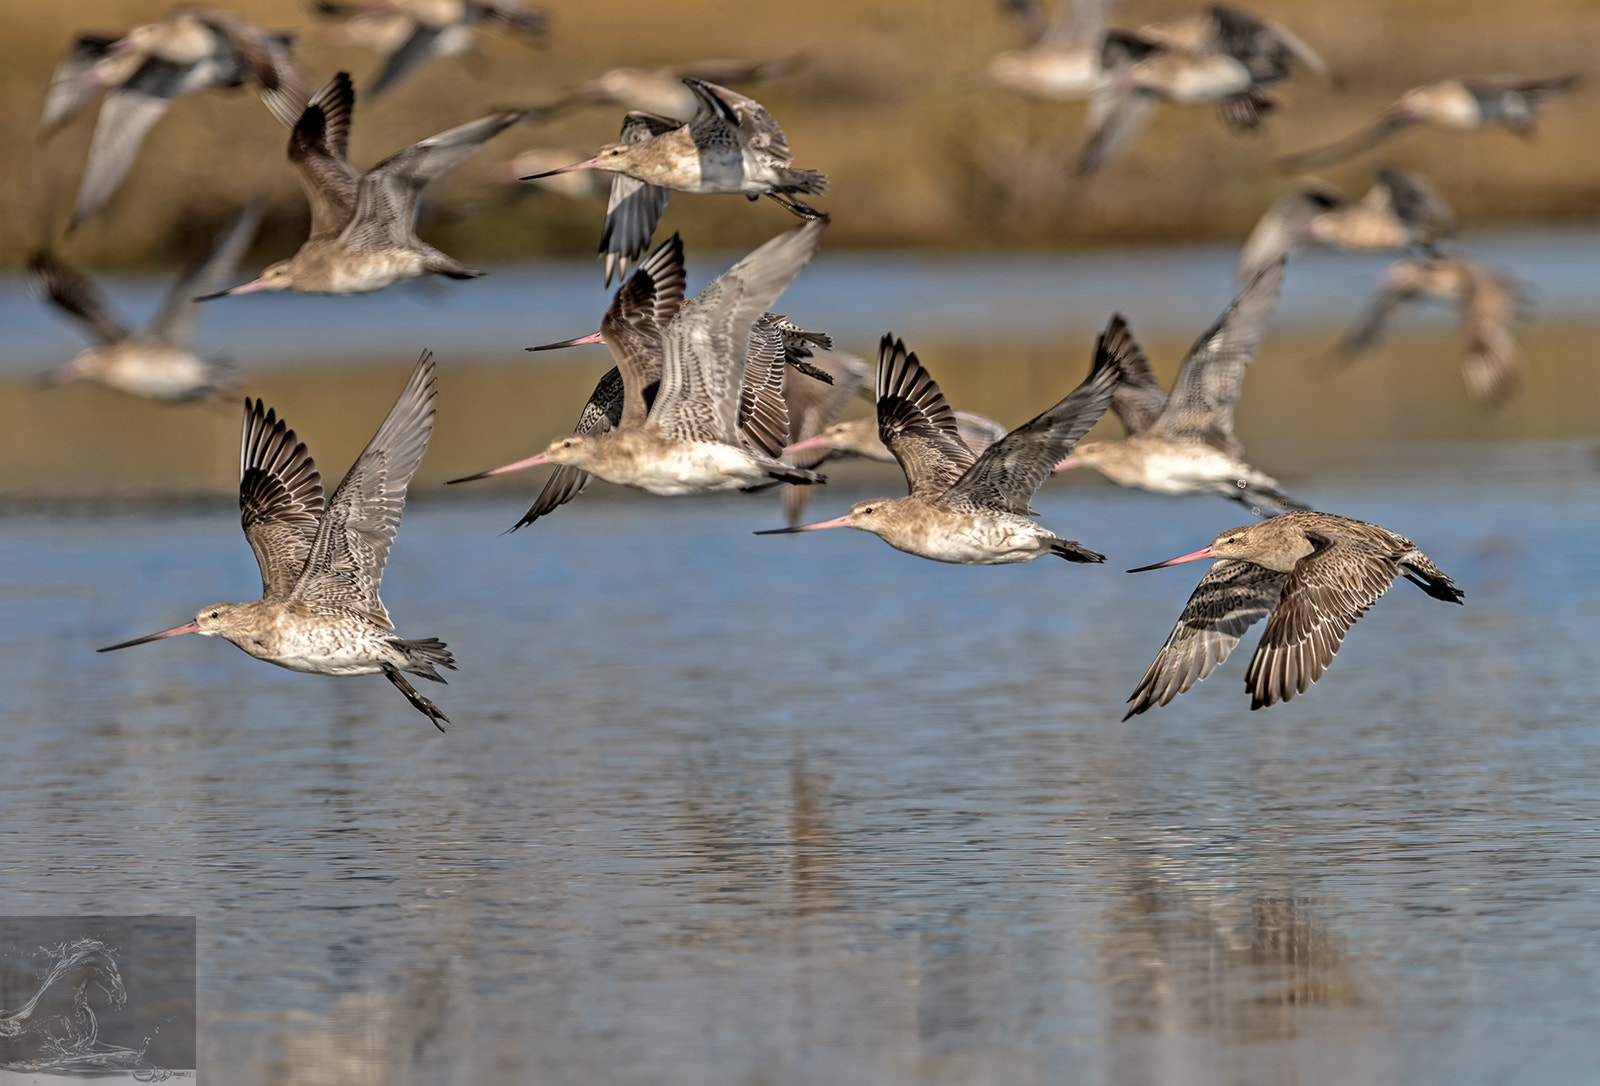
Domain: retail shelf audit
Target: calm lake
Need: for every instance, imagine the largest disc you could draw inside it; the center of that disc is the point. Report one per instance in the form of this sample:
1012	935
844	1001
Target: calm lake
726	809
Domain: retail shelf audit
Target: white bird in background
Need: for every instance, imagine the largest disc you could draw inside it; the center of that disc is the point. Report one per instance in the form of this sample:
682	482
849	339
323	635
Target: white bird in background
157	363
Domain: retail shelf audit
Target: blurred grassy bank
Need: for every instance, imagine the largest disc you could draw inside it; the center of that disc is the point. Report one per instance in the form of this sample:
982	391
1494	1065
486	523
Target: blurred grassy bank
890	102
1297	419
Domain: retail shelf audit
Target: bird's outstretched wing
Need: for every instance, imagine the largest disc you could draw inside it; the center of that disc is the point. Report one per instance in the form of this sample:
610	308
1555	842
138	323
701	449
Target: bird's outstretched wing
418	47
386	197
916	424
1329	589
126	115
635	208
1009	471
266	60
1282	227
1369	331
319	150
280	498
1230	598
1139	398
69	90
1200	408
174	324
345	566
74	293
601	414
705	348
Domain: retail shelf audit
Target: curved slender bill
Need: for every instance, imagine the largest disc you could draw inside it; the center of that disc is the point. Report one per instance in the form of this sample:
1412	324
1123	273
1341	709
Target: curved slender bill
818	442
592	337
187	627
836	522
243	288
1069	462
588	164
1204	552
531	462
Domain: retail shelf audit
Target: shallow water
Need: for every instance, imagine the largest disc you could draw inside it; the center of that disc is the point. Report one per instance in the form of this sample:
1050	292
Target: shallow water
727	809
855	296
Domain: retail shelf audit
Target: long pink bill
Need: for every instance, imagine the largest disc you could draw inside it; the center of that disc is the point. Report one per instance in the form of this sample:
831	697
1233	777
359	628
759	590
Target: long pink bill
592	337
588	164
243	288
1069	462
818	442
1203	552
531	462
836	522
187	627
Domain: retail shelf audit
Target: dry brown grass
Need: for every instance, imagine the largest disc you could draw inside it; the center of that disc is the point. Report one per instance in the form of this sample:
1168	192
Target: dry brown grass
890	103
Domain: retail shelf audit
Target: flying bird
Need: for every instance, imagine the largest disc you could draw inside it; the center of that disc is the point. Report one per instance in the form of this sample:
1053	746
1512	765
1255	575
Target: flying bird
188	50
1222	55
158	362
632	329
1401	210
1313	573
414	31
363	227
730	145
321	562
965	508
718	420
1490	303
1465	103
1184	443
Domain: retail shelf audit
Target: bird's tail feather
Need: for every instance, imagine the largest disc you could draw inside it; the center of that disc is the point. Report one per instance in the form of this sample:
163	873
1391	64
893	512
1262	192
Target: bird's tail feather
1075	552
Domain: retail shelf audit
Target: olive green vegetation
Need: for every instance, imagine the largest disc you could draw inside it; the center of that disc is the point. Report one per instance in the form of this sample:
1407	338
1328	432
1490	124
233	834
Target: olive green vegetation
1298	417
889	100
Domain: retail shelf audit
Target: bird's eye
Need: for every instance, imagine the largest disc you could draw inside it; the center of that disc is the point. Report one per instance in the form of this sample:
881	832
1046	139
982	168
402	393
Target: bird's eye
215	614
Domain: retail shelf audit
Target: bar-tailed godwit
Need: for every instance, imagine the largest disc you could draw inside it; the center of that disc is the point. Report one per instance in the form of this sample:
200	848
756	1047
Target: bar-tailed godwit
1221	54
157	362
1313	573
188	50
962	508
363	227
1490	303
718	420
321	563
730	145
1401	209
1184	443
1464	103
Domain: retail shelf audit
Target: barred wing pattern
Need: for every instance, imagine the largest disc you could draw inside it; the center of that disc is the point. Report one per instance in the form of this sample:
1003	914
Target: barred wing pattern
1212	376
386	196
319	150
347	558
915	423
1231	597
635	207
1009	471
280	498
705	347
1329	589
600	416
1139	398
